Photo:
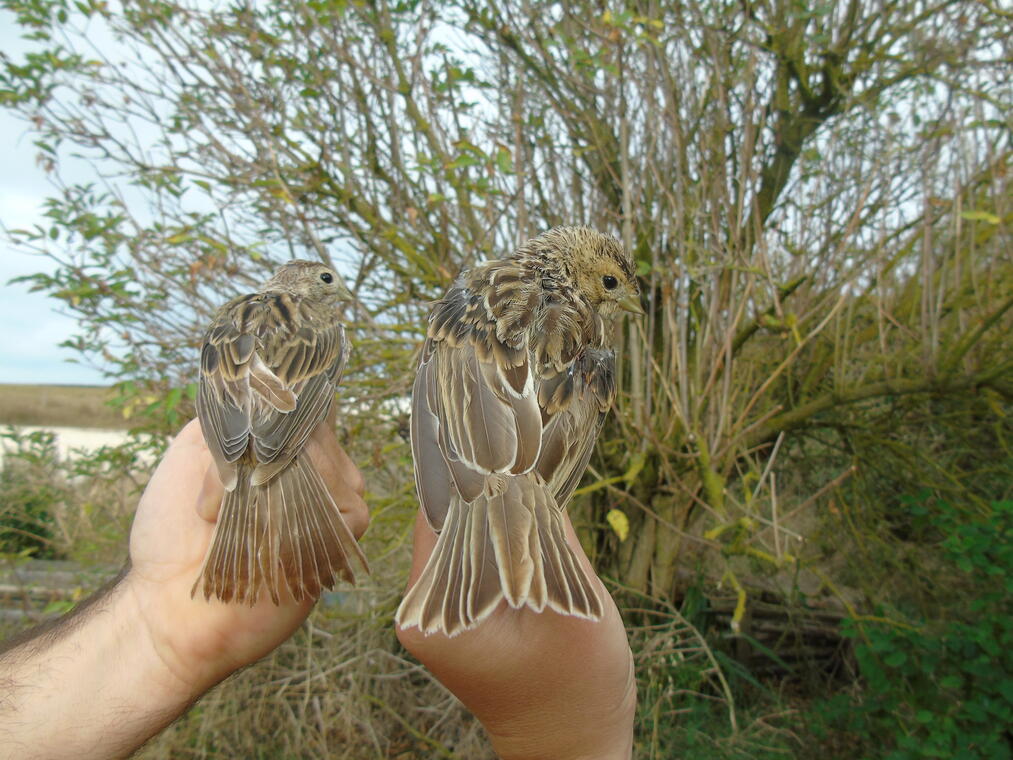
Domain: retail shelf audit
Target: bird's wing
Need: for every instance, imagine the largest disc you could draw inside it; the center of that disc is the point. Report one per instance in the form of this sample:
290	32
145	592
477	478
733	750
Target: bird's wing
224	402
432	467
474	406
306	347
307	355
268	377
574	404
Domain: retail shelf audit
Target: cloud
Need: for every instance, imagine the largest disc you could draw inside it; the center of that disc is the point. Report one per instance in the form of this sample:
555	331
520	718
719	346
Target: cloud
30	328
30	334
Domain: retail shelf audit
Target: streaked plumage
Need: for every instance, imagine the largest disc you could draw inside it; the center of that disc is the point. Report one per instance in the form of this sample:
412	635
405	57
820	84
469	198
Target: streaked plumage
515	379
270	364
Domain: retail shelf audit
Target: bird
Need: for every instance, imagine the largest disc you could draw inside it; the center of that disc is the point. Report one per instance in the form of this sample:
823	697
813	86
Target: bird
515	378
270	363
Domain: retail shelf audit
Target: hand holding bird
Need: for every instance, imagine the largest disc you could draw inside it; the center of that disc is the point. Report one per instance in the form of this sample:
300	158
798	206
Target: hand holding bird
270	364
514	382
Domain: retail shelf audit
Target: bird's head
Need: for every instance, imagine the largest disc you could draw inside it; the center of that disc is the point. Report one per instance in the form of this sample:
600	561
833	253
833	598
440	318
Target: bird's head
309	279
601	267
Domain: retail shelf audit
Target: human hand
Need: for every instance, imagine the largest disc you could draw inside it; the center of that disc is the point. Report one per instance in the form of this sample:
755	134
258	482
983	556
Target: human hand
201	641
544	685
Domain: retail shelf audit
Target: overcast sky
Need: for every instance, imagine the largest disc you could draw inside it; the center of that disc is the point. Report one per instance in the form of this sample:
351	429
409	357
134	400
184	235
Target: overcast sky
31	327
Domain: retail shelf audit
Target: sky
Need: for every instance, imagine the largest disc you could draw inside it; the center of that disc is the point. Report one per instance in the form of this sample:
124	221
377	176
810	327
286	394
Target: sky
32	329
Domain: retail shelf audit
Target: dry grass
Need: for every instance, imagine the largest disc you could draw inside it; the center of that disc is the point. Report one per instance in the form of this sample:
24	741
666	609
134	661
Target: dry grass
341	687
59	405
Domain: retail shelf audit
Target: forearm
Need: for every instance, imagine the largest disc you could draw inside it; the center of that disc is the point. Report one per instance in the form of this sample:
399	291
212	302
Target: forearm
93	685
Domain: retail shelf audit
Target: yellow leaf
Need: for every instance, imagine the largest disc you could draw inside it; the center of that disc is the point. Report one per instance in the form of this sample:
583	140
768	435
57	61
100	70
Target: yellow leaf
216	244
620	523
637	462
606	17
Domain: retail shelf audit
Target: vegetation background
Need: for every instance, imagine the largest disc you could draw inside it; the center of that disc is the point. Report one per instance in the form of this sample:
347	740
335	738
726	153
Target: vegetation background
803	500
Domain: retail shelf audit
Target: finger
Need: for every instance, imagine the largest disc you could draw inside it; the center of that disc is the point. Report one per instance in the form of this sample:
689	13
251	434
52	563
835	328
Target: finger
353	509
423	543
423	646
612	624
325	437
578	549
209	497
209	500
342	478
190	435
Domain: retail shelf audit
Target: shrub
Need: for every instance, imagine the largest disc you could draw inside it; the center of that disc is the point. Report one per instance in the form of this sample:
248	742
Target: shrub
942	687
30	488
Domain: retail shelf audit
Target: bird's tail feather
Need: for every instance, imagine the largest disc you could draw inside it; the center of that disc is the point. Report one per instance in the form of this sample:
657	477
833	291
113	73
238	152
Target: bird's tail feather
509	543
285	533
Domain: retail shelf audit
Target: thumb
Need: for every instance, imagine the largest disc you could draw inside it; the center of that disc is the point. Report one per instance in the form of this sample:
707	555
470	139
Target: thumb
423	544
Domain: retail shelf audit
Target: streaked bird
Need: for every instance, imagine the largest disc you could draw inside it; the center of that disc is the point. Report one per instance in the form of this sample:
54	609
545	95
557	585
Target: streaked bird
269	367
515	378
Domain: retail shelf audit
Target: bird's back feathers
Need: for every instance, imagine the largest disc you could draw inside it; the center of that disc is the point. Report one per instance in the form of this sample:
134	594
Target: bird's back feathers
270	364
512	388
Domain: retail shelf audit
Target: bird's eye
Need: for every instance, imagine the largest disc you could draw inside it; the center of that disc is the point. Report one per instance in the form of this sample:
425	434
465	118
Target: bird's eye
327	277
609	282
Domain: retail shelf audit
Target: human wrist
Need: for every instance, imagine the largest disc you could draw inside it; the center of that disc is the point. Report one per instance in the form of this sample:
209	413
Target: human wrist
602	729
185	671
611	742
178	677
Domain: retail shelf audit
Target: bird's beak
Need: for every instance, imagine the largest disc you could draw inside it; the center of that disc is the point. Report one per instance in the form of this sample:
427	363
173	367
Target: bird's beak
632	304
344	294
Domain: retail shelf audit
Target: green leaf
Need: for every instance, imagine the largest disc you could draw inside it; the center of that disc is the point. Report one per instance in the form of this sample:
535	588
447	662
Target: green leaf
896	658
173	397
951	682
980	216
504	161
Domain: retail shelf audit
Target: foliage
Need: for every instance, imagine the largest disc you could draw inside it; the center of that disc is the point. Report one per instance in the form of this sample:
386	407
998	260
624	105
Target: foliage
766	164
30	491
76	507
941	687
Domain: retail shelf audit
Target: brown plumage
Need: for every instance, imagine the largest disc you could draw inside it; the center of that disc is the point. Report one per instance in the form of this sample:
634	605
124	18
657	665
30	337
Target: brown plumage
515	379
270	364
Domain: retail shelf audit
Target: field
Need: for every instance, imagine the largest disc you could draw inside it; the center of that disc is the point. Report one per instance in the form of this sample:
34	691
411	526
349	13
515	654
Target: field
59	405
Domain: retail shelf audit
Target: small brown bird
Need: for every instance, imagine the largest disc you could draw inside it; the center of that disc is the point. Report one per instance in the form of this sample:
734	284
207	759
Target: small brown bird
270	364
515	379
